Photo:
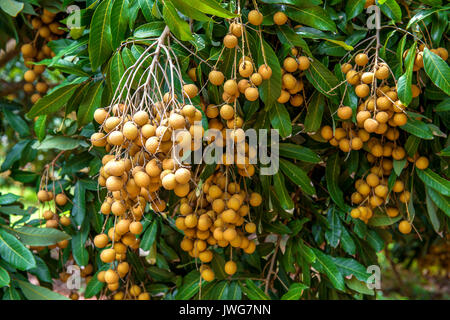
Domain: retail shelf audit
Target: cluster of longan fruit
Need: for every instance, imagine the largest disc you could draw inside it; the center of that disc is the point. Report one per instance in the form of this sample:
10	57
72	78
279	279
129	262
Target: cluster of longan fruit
53	219
377	118
217	217
84	272
46	30
292	84
418	58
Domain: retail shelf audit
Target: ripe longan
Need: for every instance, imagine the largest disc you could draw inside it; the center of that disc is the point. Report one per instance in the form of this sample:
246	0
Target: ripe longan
344	112
29	76
362	90
190	90
236	29
422	163
280	18
227	112
61	199
256	79
216	77
370	125
326	132
208	274
251	94
230	41
303	63
255	17
245	69
346	67
382	72
108	256
230	267
265	71
361	59
404	227
290	65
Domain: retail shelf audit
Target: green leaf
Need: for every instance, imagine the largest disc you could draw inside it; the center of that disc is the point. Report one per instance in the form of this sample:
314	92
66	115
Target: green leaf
324	263
392	10
298	176
282	193
354	8
381	219
176	24
349	266
116	71
53	101
100	38
12	7
313	16
322	78
212	7
4	278
295	291
149	236
33	292
217	264
437	69
375	241
422	14
14	252
294	151
59	143
146	7
190	287
15	121
39	236
411	145
434	181
332	172
148	30
334	232
306	252
11	294
15	154
405	81
359	286
40	127
314	114
441	201
41	270
418	128
119	21
432	212
287	35
280	119
347	242
91	101
8	198
79	203
189	10
252	291
234	291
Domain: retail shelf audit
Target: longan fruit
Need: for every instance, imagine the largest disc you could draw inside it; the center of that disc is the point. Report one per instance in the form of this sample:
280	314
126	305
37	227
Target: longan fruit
398	153
255	17
230	41
216	77
422	163
243	84
208	274
251	94
326	132
141	118
108	256
382	117
250	227
100	115
284	97
265	71
443	53
245	69
192	73
372	180
370	125
355	213
382	72
356	143
230	267
255	199
404	196
404	227
415	90
98	139
280	18
344	112
352	77
381	190
136	227
29	76
236	29
290	65
44	32
346	67
256	79
296	100
367	77
111	276
392	212
303	63
362	90
400	119
344	145
361	59
227	112
61	199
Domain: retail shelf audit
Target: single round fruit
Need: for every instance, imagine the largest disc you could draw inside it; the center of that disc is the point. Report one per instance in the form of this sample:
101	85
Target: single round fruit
29	76
190	90
370	125
361	59
404	227
230	267
108	255
255	17
245	69
101	240
303	63
280	18
216	77
422	163
61	199
265	71
251	94
290	65
344	112
362	90
208	274
230	41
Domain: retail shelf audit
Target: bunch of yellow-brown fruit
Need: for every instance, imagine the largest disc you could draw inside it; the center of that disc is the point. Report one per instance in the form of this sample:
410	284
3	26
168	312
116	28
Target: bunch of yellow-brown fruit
219	216
377	118
292	83
46	29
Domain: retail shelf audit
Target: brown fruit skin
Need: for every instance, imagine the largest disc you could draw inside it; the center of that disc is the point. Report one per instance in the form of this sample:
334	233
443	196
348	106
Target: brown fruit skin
405	227
251	94
280	18
29	76
422	163
245	69
303	63
61	199
230	41
236	29
265	71
344	112
326	132
190	90
230	267
361	59
216	77
255	17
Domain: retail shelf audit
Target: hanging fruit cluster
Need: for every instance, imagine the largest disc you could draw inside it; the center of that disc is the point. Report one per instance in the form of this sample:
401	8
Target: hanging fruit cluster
374	127
46	28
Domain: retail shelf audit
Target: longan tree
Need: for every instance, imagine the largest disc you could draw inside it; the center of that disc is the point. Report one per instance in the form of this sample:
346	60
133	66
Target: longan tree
109	92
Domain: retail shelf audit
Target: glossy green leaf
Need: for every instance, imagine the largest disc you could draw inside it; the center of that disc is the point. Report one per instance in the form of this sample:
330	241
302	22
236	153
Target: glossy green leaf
53	101
294	151
100	39
14	252
295	291
119	21
437	69
252	291
39	236
33	292
298	176
434	181
313	16
176	24
332	173
280	119
91	101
